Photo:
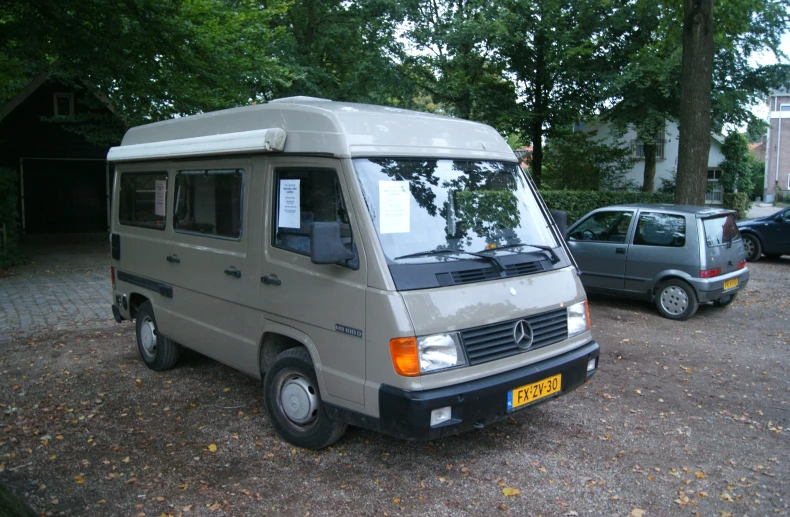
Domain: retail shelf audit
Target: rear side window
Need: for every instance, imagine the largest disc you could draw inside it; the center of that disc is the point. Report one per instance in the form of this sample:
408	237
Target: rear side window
303	197
208	202
720	230
143	199
657	229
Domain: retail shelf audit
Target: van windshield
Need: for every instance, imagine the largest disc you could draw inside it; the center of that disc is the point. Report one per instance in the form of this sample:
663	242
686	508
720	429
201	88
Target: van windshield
434	210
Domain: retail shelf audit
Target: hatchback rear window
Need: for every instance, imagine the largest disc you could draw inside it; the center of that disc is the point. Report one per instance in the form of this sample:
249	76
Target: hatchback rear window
720	230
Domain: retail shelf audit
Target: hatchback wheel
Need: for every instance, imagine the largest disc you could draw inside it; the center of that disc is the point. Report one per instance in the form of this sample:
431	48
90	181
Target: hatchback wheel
676	300
753	247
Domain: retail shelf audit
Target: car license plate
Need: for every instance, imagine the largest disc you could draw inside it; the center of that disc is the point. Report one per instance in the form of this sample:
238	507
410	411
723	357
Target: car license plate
729	284
532	392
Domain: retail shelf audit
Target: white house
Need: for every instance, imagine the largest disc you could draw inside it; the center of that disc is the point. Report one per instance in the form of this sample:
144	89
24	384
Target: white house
666	155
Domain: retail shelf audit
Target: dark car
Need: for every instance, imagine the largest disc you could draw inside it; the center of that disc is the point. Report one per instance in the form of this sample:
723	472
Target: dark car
769	235
676	256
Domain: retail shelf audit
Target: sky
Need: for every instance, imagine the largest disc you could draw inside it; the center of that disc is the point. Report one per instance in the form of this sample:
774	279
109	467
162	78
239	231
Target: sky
767	58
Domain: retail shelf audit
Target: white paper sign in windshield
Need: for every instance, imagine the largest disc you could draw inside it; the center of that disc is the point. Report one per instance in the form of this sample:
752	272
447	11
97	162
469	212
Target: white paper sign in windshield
288	214
160	192
394	199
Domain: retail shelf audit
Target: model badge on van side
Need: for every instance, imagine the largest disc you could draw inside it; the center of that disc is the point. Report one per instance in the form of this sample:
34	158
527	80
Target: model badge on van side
348	330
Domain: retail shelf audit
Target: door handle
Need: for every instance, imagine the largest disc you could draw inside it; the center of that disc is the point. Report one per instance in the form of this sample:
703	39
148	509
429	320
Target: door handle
619	251
233	272
173	259
271	280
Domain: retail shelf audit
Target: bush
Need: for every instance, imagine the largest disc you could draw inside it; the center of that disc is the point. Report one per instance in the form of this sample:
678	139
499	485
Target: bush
9	254
738	201
577	203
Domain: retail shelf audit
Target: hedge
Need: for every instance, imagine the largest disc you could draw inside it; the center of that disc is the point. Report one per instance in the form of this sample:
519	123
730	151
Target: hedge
738	201
577	203
9	254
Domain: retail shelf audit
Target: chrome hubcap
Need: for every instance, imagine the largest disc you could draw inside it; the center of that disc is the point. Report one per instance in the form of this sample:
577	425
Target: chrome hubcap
148	337
674	300
299	400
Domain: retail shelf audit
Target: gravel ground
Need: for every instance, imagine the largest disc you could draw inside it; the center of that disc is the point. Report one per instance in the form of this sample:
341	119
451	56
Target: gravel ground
683	418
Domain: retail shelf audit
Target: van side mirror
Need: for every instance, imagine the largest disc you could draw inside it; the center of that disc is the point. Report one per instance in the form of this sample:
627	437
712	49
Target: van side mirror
326	246
561	218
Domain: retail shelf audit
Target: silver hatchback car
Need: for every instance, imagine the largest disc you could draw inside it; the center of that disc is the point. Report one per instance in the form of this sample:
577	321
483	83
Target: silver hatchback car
675	255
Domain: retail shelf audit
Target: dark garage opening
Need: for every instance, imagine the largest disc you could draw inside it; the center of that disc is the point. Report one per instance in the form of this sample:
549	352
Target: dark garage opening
65	196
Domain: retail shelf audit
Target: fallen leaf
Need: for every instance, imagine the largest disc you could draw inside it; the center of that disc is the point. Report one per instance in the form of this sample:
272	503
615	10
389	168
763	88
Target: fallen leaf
79	480
700	475
726	497
212	448
510	491
636	512
396	500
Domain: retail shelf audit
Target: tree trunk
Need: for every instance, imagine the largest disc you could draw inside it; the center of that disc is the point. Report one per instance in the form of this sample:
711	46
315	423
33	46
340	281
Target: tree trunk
696	81
537	124
649	182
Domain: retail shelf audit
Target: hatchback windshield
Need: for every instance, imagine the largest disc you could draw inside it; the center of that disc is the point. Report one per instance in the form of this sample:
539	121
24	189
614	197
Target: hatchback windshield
720	230
422	206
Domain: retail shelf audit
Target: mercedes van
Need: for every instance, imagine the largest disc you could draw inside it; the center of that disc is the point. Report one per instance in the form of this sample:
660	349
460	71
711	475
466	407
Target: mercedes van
375	266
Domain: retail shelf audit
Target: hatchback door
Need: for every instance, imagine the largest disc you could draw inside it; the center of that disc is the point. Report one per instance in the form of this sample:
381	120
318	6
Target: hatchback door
598	244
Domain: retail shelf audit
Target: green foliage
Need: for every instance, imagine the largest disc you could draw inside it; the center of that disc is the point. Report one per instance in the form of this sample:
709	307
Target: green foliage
579	161
756	129
738	165
738	201
9	193
578	203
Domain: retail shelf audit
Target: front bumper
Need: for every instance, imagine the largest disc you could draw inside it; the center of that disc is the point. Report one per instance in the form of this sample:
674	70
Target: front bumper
407	414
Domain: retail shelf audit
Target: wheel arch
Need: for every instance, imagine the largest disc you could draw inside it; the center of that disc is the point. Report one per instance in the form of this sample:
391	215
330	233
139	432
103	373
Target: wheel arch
279	338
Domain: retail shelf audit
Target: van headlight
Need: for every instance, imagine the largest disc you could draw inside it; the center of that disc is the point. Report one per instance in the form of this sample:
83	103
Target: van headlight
440	351
578	318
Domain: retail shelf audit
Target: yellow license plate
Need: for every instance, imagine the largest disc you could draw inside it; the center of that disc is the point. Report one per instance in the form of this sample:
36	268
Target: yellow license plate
729	284
532	392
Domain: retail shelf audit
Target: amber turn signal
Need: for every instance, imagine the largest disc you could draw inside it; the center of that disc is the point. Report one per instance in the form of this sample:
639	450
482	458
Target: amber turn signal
404	356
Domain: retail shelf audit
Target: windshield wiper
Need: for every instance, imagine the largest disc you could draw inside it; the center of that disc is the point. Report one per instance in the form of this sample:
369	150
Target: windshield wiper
494	260
554	257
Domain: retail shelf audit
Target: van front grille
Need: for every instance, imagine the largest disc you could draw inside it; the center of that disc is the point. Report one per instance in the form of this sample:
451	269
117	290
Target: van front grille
495	341
489	273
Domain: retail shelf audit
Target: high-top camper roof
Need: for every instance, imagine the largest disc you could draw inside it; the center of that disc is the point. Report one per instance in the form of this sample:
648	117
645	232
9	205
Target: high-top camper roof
310	125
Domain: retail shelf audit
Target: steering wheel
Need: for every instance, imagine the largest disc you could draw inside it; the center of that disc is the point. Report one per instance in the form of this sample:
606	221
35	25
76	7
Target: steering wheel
588	235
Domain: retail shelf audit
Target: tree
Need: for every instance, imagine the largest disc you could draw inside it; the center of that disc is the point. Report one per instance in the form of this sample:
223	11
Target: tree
557	54
578	161
697	70
151	59
739	166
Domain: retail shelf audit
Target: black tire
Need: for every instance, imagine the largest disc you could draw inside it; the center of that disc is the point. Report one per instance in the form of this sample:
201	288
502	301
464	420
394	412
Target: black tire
676	300
158	352
753	247
725	300
305	422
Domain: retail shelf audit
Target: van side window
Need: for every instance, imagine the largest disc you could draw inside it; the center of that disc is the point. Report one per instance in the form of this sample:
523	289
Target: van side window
607	226
657	229
303	197
208	202
143	199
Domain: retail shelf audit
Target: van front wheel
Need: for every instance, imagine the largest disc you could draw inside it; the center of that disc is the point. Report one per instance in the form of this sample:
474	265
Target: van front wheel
294	402
676	300
158	352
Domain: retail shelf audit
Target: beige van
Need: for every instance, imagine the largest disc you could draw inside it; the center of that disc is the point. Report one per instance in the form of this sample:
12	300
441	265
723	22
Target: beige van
375	266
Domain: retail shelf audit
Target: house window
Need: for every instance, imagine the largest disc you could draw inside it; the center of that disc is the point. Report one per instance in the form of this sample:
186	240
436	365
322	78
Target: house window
715	190
639	147
784	107
64	104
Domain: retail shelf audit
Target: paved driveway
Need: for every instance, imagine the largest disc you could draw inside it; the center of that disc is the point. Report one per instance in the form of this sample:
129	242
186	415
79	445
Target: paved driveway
64	285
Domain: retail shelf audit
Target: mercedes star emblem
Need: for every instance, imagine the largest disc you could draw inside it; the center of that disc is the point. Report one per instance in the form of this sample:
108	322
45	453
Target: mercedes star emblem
522	334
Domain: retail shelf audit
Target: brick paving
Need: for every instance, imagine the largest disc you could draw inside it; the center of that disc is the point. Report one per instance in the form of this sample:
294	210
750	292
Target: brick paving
54	301
64	285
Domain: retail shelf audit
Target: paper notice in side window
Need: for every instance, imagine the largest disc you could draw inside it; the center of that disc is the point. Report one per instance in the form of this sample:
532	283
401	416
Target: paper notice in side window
394	199
160	194
288	213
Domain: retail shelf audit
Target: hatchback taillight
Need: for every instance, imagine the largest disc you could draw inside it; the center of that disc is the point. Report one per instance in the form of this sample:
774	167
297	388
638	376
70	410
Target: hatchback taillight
709	273
741	264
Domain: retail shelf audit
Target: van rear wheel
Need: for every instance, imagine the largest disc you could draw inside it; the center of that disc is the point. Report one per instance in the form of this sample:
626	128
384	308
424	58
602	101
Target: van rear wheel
676	300
158	352
294	402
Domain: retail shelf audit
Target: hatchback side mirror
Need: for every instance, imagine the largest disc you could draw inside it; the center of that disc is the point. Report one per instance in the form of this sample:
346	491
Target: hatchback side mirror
326	246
